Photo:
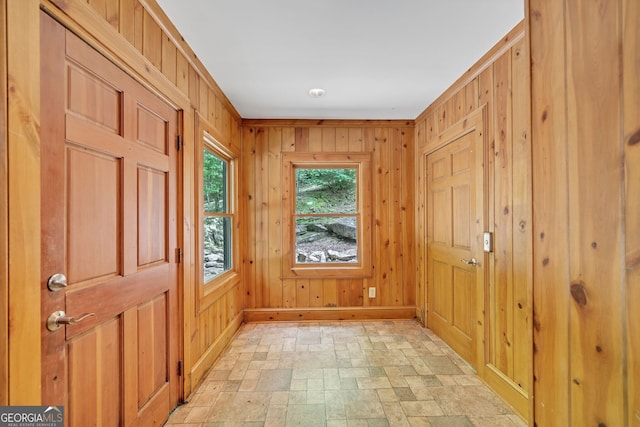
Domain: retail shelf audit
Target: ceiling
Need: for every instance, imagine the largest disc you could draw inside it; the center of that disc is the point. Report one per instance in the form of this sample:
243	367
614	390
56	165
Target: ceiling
376	59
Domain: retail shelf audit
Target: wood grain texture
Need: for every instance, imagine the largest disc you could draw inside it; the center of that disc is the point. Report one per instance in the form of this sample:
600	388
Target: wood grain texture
631	138
550	214
4	221
595	147
23	146
494	82
264	145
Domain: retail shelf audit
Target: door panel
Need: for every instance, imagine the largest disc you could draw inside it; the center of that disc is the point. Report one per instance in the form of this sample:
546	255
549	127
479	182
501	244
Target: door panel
109	224
454	222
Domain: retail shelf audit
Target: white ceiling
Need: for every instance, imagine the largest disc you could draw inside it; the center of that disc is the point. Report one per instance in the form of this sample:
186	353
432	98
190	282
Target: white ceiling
376	59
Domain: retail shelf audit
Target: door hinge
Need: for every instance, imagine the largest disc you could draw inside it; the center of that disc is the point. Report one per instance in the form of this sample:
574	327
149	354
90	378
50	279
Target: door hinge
179	368
178	255
179	142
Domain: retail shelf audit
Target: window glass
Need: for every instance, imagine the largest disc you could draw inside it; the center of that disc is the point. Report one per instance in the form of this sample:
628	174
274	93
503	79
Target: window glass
326	218
216	216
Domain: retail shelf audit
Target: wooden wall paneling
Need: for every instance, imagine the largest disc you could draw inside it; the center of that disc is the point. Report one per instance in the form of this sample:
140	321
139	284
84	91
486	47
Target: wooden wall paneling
274	196
212	101
356	143
187	238
471	96
302	140
219	115
169	59
550	214
522	208
99	6
343	292
203	98
370	144
595	171
315	140
420	216
194	88
396	236
631	129
381	167
248	205
316	294
151	40
342	139
329	139
329	292
127	25
357	290
182	73
501	305
4	221
408	218
262	219
303	293
23	146
289	286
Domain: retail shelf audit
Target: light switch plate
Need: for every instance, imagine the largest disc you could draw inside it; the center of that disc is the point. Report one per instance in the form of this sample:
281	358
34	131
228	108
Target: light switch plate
487	241
372	292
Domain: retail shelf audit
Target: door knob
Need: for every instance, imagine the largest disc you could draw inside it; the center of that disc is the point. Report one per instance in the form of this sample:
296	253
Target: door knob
59	318
472	261
57	282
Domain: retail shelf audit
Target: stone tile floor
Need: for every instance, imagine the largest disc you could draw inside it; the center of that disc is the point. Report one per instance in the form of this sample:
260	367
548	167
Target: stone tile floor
341	374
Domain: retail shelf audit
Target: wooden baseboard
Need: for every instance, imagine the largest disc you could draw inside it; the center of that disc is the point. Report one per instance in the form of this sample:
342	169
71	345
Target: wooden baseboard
202	366
328	313
508	390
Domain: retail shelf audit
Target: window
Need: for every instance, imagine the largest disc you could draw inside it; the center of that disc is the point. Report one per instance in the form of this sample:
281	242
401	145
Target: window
216	215
326	210
216	201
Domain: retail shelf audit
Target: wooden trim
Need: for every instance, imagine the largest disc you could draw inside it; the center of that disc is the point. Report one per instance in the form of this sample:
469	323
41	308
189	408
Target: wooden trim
363	164
23	71
202	366
100	35
4	242
487	60
303	123
328	313
507	390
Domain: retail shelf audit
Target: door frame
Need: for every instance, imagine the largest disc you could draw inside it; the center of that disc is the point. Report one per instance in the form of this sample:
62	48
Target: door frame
474	121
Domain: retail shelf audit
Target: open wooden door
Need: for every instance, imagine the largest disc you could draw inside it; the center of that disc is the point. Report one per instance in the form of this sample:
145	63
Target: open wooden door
455	262
109	212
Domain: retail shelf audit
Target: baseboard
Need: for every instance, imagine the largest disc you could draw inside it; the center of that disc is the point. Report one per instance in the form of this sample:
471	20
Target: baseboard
202	366
328	313
509	391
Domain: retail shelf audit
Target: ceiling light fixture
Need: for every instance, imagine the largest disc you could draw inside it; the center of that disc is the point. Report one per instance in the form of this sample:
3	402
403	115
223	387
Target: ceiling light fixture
316	92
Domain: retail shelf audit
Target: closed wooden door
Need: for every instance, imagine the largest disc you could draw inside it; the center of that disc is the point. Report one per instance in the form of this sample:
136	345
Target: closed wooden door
109	226
454	225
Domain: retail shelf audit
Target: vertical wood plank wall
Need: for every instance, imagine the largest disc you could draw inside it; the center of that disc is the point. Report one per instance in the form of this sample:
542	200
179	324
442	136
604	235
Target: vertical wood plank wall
269	296
586	157
499	82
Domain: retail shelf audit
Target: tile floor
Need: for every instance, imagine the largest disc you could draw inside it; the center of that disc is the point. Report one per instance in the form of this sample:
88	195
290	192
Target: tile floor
341	374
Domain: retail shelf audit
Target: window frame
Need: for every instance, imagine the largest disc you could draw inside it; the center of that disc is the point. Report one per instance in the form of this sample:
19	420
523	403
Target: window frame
362	163
210	291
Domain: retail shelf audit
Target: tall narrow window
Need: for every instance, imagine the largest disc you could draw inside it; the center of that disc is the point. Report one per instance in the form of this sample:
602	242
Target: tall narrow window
327	214
216	215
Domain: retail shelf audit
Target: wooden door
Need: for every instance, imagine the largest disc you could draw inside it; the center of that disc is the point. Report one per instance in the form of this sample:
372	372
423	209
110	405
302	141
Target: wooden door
454	228
109	225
